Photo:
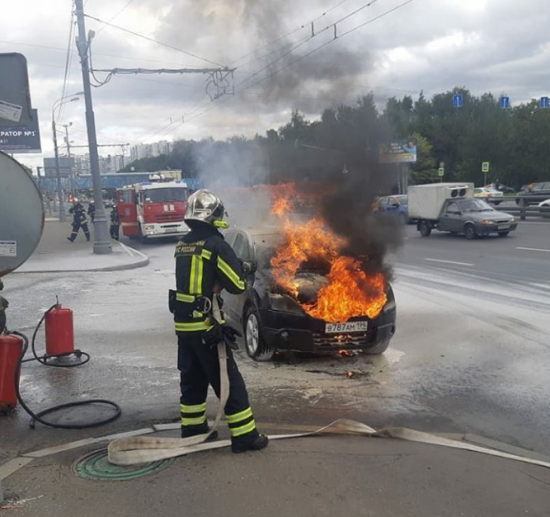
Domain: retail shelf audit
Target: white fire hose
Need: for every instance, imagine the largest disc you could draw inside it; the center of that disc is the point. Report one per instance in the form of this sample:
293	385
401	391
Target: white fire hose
136	450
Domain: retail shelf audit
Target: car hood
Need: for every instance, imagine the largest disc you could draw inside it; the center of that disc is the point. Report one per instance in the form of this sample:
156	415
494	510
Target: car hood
489	216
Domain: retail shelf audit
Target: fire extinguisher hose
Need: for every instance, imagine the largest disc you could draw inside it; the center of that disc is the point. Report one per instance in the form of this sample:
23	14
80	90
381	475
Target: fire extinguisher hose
38	417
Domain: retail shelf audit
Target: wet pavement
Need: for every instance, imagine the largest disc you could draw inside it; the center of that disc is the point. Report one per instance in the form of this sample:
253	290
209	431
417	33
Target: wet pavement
471	352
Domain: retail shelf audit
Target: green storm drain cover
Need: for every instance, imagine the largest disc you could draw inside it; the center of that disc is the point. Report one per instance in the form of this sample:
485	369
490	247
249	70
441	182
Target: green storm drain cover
95	466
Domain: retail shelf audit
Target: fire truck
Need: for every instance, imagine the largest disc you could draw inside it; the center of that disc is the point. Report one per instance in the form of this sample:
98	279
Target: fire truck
148	210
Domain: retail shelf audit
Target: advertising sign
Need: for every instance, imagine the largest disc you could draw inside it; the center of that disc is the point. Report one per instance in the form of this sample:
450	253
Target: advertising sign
21	138
15	97
398	152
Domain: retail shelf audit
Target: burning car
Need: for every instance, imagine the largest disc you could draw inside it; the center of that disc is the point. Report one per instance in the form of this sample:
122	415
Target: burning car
305	295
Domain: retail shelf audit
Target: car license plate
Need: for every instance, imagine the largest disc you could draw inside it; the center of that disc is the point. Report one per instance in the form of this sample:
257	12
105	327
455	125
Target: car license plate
350	326
170	230
503	226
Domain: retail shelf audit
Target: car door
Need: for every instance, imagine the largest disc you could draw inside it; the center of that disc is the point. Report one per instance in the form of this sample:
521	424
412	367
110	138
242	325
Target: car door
392	206
235	302
230	300
451	219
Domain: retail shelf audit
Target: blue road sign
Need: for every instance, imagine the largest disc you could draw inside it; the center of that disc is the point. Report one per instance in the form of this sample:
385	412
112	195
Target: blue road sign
544	102
504	102
458	100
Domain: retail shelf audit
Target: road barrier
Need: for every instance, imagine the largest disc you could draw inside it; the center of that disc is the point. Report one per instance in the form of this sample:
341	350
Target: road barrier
526	211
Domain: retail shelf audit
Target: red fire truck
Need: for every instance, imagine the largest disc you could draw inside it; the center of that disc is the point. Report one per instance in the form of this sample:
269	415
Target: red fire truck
149	210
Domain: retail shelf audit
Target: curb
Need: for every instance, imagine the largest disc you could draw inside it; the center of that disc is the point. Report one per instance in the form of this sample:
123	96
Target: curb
144	260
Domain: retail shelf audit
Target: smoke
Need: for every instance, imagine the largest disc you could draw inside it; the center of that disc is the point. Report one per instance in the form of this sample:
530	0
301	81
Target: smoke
255	30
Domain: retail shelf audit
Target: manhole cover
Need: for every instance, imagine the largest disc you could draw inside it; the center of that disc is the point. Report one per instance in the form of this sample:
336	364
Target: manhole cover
95	466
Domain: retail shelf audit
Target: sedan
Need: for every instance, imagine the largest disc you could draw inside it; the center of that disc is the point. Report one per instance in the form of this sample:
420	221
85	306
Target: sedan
489	194
394	205
272	320
537	193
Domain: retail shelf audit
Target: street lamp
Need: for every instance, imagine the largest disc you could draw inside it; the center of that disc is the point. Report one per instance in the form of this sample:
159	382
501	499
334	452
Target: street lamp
57	104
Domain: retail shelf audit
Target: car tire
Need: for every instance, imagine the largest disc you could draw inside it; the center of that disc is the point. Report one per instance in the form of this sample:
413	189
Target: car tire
378	349
254	342
425	229
403	220
503	234
470	231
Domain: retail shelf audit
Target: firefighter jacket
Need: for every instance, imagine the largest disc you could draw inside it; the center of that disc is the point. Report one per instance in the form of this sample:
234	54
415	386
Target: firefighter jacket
79	214
115	219
203	259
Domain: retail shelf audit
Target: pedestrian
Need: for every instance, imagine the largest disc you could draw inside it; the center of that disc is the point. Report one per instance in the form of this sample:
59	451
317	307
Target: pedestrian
205	265
91	211
115	223
79	220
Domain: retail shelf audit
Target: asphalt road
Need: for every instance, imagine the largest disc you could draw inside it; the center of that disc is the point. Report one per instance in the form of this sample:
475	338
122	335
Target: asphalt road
471	353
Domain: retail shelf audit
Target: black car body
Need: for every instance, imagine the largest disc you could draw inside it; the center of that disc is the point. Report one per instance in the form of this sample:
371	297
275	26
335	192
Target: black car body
274	321
537	193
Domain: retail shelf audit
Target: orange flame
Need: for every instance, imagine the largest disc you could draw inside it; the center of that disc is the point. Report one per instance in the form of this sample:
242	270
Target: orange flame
350	292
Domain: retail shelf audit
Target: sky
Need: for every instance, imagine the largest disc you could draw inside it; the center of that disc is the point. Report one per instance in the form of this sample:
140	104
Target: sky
285	54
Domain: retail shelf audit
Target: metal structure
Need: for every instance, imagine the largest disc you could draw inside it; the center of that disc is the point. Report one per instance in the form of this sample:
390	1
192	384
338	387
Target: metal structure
102	240
21	214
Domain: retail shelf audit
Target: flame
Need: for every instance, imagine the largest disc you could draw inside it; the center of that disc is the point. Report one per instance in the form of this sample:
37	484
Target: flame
351	291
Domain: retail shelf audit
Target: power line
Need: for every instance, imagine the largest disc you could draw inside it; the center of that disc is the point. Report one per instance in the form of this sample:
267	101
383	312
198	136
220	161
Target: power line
68	60
117	14
153	40
95	52
284	36
386	13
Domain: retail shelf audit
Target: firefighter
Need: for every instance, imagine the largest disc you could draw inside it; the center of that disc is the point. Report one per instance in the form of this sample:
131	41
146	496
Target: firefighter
205	265
91	211
115	223
79	220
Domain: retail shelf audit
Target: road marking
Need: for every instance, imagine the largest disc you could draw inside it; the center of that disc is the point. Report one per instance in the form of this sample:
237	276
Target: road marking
534	249
450	262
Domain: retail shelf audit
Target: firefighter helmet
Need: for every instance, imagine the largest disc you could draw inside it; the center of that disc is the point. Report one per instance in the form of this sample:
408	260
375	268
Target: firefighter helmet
206	207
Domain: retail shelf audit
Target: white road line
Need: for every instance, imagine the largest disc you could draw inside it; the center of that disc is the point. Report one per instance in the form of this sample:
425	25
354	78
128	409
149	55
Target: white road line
450	262
534	249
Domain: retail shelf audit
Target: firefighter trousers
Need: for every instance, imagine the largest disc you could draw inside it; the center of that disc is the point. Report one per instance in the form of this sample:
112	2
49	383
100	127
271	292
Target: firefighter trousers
199	367
76	227
114	231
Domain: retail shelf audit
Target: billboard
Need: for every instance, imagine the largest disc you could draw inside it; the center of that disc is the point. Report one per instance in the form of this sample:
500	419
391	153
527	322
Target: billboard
403	151
15	97
21	138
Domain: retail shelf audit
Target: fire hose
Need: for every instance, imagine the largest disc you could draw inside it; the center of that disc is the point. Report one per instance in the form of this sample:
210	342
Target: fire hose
39	417
136	450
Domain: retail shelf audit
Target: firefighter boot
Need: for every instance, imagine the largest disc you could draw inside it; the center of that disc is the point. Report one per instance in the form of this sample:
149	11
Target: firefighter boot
254	442
187	432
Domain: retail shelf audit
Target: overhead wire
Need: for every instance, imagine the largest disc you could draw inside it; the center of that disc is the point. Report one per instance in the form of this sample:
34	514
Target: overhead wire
304	56
68	61
137	34
117	14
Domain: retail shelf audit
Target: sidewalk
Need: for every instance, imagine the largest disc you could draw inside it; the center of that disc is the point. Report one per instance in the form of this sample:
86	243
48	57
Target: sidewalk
314	476
55	254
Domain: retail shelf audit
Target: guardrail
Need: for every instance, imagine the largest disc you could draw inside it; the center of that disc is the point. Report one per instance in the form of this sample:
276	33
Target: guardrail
524	212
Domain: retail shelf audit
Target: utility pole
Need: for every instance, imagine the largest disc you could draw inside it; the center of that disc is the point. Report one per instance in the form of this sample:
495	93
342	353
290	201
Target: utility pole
102	240
58	174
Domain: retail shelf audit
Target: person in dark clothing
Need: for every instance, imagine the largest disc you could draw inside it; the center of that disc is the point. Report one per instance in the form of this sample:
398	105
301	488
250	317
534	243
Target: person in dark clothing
115	223
205	265
79	221
91	211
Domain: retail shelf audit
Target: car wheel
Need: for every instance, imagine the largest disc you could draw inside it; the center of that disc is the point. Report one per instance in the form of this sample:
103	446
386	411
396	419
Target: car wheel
425	229
380	348
503	234
254	341
470	231
402	219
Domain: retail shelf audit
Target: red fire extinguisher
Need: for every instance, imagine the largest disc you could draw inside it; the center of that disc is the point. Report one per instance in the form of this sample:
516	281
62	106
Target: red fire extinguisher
11	348
59	331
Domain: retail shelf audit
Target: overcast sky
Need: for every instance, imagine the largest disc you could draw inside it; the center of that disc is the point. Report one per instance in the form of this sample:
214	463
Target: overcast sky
501	46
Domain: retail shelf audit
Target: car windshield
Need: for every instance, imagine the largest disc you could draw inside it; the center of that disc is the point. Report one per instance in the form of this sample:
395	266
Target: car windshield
166	195
474	205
